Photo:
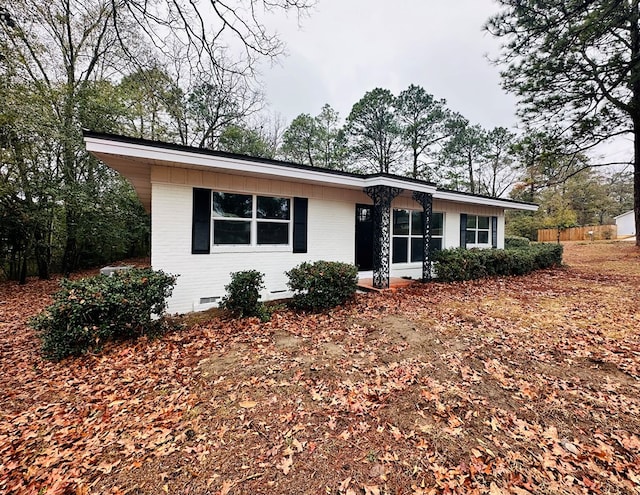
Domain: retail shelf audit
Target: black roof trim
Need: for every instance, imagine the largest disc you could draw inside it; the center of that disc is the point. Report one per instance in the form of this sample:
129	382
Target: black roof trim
282	163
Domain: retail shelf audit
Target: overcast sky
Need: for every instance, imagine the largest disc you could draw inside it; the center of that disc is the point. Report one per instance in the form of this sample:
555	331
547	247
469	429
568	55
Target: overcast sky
348	47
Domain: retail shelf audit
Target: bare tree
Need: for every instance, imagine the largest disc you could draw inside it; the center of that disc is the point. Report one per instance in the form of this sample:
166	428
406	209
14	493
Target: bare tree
62	47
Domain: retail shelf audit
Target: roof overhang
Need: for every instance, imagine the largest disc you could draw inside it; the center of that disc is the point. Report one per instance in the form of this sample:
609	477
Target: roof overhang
134	158
134	161
630	212
483	200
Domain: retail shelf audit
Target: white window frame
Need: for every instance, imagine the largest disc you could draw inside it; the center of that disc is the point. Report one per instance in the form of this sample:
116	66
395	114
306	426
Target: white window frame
253	221
477	230
401	236
410	236
442	246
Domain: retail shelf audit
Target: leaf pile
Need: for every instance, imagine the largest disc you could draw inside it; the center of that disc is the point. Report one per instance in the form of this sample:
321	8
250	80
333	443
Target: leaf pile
510	385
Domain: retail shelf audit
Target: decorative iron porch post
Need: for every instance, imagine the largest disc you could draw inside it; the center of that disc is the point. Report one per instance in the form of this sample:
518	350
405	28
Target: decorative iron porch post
382	197
426	201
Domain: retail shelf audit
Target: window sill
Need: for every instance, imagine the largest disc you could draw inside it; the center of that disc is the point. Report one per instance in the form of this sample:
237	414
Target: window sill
240	248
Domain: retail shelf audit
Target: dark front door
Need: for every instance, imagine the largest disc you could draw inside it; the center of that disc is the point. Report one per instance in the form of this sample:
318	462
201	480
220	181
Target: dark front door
364	237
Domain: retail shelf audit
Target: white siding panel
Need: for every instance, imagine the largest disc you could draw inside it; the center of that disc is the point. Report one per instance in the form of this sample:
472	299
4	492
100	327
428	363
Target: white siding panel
331	231
626	224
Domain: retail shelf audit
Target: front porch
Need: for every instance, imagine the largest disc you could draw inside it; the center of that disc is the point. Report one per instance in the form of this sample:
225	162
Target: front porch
379	228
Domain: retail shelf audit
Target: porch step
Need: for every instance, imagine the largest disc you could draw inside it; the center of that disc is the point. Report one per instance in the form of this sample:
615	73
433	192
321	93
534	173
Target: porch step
366	284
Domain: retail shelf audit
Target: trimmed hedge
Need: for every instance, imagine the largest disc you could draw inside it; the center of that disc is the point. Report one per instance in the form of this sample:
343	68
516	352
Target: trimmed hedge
468	264
88	312
322	284
243	295
514	242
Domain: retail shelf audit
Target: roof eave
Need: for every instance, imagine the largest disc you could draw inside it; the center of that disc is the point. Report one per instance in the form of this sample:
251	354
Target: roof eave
133	158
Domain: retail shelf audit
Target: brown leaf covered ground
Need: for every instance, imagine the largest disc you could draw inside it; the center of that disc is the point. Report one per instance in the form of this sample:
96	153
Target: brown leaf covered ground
510	385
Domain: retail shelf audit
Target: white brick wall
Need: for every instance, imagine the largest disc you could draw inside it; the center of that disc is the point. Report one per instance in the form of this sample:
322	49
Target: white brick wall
331	234
331	231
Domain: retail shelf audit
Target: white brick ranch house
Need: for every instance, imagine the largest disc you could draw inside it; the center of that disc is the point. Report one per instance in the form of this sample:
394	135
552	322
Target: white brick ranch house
213	213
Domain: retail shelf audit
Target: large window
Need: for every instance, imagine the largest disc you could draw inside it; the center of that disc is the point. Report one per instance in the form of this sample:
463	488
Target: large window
478	229
244	219
437	231
407	241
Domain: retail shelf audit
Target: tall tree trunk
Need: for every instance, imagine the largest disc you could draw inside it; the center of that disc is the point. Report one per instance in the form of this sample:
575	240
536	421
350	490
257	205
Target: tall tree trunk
472	185
69	259
22	276
43	253
636	177
635	113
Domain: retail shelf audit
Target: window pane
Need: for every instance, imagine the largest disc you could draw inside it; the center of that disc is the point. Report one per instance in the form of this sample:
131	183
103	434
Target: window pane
232	205
416	249
400	247
230	232
436	244
483	237
483	223
471	221
273	233
400	222
363	213
416	222
273	208
471	237
437	220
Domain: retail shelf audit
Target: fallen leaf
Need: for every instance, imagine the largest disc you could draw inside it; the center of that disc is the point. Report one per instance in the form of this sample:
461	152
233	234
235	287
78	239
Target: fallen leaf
371	490
344	484
285	464
227	485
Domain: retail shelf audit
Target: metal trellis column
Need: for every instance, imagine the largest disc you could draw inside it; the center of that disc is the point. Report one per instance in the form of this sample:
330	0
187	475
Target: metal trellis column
426	201
382	197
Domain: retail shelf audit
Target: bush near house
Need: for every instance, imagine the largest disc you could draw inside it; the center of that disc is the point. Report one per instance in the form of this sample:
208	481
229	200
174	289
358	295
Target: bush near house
515	241
89	312
468	264
322	284
243	295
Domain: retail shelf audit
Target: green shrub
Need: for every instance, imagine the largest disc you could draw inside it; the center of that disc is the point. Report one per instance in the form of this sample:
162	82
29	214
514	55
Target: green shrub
243	295
468	264
546	255
322	285
458	264
88	312
514	241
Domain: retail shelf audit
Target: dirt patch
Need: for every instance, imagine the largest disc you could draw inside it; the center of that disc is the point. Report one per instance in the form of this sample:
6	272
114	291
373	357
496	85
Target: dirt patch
225	363
399	337
287	342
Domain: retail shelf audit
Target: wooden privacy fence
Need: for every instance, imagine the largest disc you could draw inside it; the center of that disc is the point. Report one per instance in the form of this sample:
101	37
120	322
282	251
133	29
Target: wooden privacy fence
588	233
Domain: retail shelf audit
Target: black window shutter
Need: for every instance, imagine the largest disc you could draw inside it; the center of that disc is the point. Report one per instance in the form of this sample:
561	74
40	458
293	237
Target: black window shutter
201	226
494	232
300	208
463	230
